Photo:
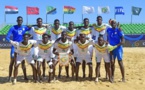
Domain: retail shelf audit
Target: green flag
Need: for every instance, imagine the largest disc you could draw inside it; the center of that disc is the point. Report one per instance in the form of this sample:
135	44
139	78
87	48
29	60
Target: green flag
136	10
50	10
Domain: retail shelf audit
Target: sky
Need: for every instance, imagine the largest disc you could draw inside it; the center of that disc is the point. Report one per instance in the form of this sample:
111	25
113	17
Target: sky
77	16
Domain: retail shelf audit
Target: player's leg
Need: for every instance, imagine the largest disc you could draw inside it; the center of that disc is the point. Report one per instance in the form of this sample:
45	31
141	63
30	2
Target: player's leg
55	62
90	70
39	63
112	59
11	63
84	68
120	62
24	70
73	67
59	73
78	63
43	68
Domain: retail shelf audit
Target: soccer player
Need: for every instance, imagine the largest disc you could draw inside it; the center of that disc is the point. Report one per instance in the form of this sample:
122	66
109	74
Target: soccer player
64	46
87	31
102	49
23	49
45	53
56	30
17	31
37	32
116	36
84	49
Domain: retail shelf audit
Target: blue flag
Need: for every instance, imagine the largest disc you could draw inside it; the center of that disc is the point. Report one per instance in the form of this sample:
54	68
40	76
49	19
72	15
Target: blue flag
119	11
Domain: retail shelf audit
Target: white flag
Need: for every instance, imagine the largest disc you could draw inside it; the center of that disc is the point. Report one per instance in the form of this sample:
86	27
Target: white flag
88	9
104	10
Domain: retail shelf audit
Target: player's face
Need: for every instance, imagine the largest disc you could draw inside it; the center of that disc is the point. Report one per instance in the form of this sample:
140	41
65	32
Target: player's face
86	22
56	24
100	41
99	21
45	38
71	25
82	37
63	35
113	24
19	21
26	38
39	22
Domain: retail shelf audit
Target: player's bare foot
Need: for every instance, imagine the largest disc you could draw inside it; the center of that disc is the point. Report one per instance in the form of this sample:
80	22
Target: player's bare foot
123	79
84	76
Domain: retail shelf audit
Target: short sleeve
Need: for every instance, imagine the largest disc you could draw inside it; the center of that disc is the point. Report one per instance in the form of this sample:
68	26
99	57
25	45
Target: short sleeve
63	28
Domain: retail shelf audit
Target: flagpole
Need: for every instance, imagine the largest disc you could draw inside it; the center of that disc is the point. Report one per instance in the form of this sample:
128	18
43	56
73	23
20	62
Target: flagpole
131	18
63	19
82	18
46	18
114	14
26	17
5	17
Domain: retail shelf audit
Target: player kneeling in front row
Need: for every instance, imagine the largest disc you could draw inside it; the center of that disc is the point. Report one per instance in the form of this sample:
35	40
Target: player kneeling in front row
64	46
23	53
84	48
45	47
102	49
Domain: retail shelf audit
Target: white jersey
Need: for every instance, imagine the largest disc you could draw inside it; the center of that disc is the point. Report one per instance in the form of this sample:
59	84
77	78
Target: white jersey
44	48
22	49
63	47
83	49
37	32
71	34
106	48
100	30
55	34
86	31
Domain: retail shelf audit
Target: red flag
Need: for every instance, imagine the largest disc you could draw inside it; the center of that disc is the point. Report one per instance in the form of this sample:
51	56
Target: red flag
32	10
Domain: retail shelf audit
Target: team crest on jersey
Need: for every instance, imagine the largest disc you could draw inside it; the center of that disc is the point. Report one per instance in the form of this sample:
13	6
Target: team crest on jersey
56	32
26	48
45	46
71	33
100	49
99	28
64	45
40	30
83	46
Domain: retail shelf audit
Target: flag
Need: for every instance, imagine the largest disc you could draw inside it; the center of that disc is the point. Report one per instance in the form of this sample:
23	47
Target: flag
11	10
104	10
68	10
119	11
136	10
88	9
32	10
50	10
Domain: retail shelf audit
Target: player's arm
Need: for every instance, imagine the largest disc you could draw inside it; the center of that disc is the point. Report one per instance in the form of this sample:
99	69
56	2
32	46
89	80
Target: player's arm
121	37
15	44
9	34
54	50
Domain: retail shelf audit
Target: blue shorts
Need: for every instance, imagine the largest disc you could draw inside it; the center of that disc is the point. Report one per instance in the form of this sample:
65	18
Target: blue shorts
12	51
118	53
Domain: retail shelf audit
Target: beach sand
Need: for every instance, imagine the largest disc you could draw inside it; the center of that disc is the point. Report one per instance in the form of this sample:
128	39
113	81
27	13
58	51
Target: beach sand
134	62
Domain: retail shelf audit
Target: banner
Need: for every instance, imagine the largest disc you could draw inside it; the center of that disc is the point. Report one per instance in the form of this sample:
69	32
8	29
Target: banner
11	10
32	10
68	10
104	10
119	11
3	42
50	10
136	10
88	9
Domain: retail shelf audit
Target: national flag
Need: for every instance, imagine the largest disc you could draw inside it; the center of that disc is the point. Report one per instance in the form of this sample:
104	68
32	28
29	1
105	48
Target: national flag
32	10
88	9
104	10
136	10
119	11
50	10
68	10
11	10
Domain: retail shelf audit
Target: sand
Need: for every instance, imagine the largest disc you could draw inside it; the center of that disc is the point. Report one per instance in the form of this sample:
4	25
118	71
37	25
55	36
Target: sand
134	62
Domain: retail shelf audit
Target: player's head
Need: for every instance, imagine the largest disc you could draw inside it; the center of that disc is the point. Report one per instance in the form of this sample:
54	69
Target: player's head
64	35
86	21
26	37
100	40
19	20
45	37
56	23
99	20
39	21
82	37
71	24
113	23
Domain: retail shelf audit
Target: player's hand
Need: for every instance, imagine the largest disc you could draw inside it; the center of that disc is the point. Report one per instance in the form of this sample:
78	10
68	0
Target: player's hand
56	53
29	26
75	41
70	53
